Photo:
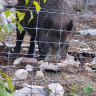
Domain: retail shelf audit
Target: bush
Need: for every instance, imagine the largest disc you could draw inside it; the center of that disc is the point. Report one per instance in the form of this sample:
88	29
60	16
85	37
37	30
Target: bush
6	86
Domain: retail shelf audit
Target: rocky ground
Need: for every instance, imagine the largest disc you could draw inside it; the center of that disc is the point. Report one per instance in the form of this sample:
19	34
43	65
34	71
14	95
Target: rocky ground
66	73
71	75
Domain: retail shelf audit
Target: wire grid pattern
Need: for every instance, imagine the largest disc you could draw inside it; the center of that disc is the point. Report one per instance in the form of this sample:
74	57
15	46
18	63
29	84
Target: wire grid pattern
83	1
56	77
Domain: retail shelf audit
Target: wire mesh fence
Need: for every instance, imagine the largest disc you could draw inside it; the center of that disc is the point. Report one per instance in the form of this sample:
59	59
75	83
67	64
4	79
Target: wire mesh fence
61	41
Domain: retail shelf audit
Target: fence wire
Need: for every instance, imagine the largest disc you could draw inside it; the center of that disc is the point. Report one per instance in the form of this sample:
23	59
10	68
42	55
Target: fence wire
75	72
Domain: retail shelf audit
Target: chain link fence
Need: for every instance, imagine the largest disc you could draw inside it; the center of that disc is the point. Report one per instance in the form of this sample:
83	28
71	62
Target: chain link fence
55	75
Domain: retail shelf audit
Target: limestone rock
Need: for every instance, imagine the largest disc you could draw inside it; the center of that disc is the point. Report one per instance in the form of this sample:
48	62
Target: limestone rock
17	61
72	65
92	64
24	61
88	69
48	66
57	89
71	61
94	61
32	90
29	68
28	60
61	65
39	75
40	62
21	74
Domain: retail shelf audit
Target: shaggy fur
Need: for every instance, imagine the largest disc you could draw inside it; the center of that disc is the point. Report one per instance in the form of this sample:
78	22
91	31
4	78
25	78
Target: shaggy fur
50	42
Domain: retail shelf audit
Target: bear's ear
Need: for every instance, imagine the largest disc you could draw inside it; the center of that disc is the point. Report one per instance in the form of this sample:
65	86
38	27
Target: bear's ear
48	23
70	25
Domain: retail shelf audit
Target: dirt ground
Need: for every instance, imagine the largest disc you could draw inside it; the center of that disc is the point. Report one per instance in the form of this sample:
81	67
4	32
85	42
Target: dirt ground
70	81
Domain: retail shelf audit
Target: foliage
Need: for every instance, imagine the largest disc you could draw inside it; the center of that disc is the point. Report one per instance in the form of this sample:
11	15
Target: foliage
74	92
6	86
49	90
8	28
88	89
38	8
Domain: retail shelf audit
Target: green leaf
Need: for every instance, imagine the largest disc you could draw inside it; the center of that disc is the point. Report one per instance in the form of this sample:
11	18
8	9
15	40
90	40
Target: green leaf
5	75
9	87
44	1
9	28
20	28
27	1
3	29
88	89
13	16
73	91
1	83
2	88
49	90
1	36
8	79
2	92
20	15
6	86
31	13
8	94
38	8
7	13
